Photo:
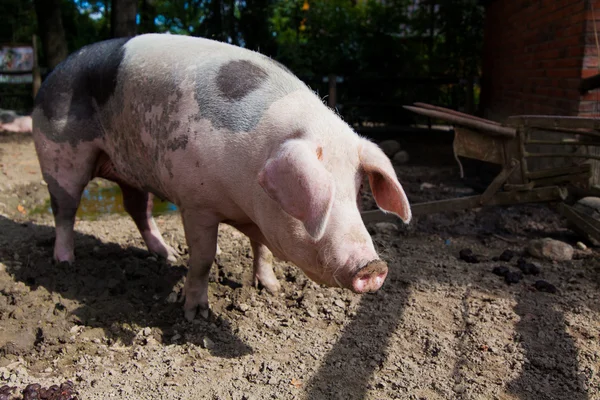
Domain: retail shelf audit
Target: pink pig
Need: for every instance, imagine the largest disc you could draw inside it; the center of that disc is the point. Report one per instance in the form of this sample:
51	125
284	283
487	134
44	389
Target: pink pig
229	136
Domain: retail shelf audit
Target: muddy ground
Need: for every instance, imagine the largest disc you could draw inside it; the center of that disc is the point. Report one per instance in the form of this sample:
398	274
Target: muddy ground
439	329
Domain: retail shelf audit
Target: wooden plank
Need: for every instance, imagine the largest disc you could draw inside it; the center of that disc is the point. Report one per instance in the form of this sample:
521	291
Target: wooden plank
37	76
545	194
472	144
457	113
582	224
582	179
519	187
566	155
484	127
546	173
498	181
572	142
553	122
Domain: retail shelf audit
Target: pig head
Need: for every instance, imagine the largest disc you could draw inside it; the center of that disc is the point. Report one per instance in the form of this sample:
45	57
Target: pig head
312	216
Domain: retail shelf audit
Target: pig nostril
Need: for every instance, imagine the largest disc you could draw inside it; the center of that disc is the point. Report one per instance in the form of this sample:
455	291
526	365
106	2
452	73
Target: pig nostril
369	279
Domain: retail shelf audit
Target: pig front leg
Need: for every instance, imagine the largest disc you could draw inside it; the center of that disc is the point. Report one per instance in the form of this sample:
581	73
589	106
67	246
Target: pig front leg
263	267
201	233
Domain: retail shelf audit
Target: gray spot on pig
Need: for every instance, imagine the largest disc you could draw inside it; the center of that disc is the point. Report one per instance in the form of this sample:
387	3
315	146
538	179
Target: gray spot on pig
238	78
64	206
76	90
7	116
180	142
239	104
169	167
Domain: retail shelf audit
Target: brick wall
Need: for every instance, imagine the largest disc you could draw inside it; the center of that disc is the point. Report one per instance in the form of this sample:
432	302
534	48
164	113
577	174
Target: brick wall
534	55
590	102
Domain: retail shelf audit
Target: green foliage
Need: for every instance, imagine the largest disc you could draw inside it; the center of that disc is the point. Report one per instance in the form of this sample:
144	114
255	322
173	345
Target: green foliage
385	50
17	21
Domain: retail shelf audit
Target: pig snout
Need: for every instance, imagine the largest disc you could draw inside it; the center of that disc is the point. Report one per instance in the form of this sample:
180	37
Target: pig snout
370	277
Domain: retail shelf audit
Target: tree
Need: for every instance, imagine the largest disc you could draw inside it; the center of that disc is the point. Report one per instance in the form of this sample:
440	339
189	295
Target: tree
147	16
52	33
123	18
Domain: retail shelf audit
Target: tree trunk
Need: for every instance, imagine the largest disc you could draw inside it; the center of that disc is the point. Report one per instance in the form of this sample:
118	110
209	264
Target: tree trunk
123	18
52	33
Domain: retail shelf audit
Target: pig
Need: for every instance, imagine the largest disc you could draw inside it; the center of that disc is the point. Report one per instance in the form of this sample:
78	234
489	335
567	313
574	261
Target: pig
228	135
11	122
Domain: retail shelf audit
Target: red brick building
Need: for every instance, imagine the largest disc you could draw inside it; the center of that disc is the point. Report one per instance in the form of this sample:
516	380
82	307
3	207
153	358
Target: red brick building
536	53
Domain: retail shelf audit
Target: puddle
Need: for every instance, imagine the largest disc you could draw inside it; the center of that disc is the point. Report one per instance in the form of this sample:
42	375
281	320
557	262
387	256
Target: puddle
100	200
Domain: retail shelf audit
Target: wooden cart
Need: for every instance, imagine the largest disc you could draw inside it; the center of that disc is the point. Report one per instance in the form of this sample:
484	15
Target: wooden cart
520	148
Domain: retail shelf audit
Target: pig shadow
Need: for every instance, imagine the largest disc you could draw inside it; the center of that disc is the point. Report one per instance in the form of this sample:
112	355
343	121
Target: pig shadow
114	288
355	356
541	333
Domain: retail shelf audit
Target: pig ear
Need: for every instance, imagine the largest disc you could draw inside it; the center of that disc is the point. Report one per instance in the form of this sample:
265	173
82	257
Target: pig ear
388	192
296	179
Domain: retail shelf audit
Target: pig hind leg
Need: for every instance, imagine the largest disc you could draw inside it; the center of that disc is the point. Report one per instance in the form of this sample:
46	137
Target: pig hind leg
263	267
65	195
138	205
66	172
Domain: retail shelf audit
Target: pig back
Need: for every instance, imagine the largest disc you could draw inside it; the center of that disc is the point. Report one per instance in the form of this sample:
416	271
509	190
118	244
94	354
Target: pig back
178	101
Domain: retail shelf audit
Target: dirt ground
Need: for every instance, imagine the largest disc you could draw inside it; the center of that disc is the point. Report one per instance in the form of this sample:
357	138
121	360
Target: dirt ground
439	329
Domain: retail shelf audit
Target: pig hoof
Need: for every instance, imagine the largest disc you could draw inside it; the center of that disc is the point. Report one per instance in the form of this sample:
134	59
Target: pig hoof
191	313
64	258
169	254
272	285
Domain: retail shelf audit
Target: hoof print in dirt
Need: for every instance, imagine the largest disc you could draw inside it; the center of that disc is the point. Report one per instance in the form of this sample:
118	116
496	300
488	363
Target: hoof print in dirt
500	270
527	268
467	256
544	286
513	277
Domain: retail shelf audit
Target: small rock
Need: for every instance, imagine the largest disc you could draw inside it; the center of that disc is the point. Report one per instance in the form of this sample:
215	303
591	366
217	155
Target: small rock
500	270
459	388
151	342
207	343
426	185
468	256
550	249
339	303
401	157
386	228
17	313
147	331
75	328
243	307
544	286
172	297
513	277
581	246
390	147
175	337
